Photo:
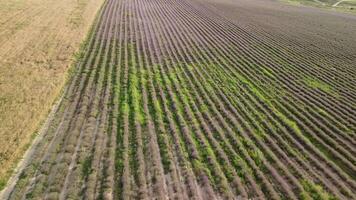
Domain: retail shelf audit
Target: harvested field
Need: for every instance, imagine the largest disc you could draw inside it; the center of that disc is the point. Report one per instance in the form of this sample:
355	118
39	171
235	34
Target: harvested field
204	99
37	41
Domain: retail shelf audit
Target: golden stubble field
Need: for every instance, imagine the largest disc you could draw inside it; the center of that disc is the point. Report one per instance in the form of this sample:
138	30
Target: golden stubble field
37	41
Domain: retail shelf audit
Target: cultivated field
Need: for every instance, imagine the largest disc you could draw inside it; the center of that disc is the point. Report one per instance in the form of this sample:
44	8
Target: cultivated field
204	99
37	42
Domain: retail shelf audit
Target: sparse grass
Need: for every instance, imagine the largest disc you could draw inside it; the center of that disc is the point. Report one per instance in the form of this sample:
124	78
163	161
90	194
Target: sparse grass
32	74
86	166
267	72
317	84
315	191
2	183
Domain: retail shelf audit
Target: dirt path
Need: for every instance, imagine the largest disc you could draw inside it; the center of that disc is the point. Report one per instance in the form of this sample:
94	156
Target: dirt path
337	3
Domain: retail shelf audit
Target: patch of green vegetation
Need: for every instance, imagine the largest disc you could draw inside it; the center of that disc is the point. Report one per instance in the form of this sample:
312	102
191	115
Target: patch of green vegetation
163	139
158	78
189	67
342	126
157	108
258	130
119	163
164	152
323	112
185	95
136	98
204	108
208	87
241	167
200	168
133	154
125	109
292	124
267	72
318	84
134	87
202	165
206	152
257	156
255	153
231	81
261	95
164	81
2	183
315	191
267	97
86	166
173	77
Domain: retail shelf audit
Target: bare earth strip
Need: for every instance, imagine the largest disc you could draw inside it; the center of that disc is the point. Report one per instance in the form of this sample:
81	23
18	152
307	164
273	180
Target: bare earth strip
204	99
337	3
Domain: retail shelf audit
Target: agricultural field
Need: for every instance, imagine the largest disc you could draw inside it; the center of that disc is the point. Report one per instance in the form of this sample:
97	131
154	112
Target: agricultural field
338	5
37	42
203	99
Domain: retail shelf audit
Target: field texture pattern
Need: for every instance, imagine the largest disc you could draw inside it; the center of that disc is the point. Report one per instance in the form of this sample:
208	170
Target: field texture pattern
37	41
191	99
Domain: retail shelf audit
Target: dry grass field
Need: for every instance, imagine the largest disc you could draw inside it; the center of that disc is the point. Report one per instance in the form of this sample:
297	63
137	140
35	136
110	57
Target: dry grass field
37	41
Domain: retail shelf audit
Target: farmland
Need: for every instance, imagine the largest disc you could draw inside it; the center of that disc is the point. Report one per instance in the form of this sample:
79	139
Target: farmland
37	41
203	99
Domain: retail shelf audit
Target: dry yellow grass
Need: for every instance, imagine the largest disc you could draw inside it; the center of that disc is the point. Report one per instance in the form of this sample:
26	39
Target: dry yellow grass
37	41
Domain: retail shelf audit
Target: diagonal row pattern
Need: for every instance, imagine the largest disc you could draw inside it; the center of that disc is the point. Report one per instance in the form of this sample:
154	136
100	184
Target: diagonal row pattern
173	99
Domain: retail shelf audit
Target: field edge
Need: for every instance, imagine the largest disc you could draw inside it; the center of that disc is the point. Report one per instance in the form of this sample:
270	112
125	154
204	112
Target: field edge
12	175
